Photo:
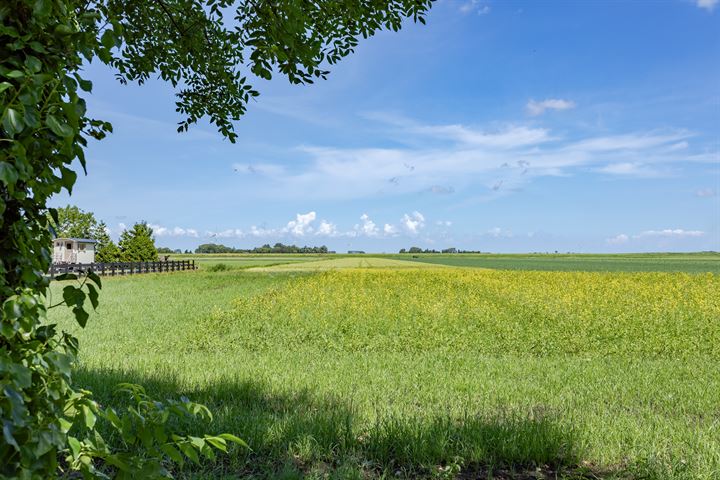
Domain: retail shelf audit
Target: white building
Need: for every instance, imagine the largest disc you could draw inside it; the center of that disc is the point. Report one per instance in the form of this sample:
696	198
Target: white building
74	250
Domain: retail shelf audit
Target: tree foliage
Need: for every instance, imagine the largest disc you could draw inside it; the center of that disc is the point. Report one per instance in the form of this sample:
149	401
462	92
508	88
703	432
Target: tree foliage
206	49
277	248
138	244
75	223
105	250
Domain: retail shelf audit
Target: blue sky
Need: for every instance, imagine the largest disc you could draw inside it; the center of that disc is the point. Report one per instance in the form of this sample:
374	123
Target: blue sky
499	126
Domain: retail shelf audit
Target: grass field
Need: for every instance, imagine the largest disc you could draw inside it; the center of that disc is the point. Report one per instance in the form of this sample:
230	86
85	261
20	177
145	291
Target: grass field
366	370
652	262
239	261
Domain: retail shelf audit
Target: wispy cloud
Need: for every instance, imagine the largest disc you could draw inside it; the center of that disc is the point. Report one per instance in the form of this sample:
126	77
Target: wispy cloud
444	159
477	6
671	233
668	233
708	5
706	192
535	107
629	169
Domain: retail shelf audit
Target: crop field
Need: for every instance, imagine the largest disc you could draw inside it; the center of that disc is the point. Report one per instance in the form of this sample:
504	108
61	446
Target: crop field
240	261
365	368
653	262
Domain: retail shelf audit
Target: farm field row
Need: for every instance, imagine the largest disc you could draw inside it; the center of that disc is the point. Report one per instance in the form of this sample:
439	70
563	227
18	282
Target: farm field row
690	263
424	372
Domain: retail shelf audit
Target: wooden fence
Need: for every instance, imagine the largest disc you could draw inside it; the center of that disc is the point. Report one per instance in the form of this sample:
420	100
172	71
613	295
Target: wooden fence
122	268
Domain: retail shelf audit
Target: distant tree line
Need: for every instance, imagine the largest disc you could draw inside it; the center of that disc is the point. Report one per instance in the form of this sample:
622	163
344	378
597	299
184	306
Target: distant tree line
277	248
445	250
136	244
170	250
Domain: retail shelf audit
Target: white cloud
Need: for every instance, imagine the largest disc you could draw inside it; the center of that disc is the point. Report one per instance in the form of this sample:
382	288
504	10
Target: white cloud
498	232
256	231
413	222
671	233
368	227
390	230
465	157
507	137
444	223
618	239
265	169
301	225
706	192
708	5
536	108
327	229
629	169
475	6
229	233
160	231
657	235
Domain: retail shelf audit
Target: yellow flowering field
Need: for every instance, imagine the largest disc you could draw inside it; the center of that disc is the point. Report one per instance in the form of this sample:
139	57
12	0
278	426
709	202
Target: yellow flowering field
483	312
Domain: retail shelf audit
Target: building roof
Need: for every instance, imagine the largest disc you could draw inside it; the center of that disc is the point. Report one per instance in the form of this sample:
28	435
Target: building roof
81	240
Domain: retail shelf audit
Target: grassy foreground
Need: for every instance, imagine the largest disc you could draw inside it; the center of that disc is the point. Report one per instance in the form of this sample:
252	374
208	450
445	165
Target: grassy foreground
432	372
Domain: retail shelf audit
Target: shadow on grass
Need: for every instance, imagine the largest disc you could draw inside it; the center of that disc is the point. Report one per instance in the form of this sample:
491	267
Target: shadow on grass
300	435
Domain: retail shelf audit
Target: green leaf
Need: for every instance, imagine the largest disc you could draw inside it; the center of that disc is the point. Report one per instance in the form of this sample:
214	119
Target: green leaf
93	295
89	417
15	74
33	64
95	278
217	442
59	127
189	452
4	86
13	121
75	446
172	452
8	174
232	438
8	435
81	316
108	39
86	85
73	295
66	276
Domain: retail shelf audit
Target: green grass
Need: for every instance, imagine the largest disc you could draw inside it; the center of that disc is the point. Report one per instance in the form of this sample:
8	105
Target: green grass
378	372
660	262
241	261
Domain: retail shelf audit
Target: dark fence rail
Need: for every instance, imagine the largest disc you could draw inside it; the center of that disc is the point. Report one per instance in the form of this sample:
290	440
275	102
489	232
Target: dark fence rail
122	268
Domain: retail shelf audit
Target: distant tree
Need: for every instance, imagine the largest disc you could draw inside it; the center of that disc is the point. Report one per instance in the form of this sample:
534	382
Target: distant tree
72	222
105	249
213	248
187	251
415	250
138	244
402	250
165	250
